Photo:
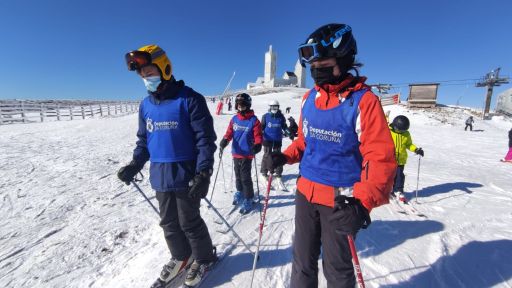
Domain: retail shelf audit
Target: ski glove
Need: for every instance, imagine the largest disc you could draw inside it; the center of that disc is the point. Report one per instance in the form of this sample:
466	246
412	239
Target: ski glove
199	185
256	148
349	215
276	159
420	152
128	172
223	144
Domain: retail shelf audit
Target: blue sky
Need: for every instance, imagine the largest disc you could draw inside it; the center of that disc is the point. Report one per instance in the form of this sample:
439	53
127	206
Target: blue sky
75	49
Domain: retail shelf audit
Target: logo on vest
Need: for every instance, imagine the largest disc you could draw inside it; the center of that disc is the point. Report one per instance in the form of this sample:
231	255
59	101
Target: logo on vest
237	127
270	125
161	125
320	134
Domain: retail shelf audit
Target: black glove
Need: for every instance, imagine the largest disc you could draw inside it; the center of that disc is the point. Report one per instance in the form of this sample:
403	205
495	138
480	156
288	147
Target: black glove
276	159
420	152
199	185
223	143
292	137
349	215
128	172
256	148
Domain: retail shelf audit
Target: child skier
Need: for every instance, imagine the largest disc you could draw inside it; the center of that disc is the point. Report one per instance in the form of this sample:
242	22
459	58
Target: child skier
274	126
245	130
346	159
402	140
508	157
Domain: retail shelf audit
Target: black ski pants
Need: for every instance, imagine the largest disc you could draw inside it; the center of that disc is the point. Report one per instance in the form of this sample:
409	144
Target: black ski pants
470	127
185	231
398	185
313	231
266	154
242	167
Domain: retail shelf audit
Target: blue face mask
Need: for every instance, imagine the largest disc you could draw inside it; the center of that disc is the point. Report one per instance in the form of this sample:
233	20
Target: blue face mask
152	83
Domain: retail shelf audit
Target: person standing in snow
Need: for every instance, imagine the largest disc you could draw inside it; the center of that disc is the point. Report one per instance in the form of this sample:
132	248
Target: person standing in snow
508	157
229	104
294	128
245	130
274	125
469	123
403	142
346	159
177	136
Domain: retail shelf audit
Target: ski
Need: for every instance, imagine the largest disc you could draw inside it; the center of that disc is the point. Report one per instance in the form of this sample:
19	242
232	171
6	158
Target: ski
280	185
239	218
404	207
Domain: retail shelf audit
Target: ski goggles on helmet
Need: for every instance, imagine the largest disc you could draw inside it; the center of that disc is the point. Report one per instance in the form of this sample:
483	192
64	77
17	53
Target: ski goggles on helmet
308	53
135	60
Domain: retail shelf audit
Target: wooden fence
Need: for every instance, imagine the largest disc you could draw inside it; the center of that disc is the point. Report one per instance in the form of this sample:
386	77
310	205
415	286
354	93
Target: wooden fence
20	111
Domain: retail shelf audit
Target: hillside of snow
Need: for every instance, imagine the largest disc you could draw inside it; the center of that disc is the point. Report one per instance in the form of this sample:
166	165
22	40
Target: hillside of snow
67	221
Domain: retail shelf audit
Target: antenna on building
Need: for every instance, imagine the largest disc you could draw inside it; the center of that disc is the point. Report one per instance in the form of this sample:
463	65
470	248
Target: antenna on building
490	80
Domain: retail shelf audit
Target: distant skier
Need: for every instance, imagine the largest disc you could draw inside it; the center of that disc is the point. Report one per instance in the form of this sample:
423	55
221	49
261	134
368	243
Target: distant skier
469	123
229	105
176	134
293	128
508	157
288	109
245	130
346	159
402	140
274	126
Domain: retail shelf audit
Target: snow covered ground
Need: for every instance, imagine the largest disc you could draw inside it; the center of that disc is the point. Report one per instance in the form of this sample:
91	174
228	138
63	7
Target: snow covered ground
66	221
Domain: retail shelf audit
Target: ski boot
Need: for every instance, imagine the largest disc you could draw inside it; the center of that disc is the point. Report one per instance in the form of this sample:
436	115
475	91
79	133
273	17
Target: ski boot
401	197
170	271
246	206
197	272
237	198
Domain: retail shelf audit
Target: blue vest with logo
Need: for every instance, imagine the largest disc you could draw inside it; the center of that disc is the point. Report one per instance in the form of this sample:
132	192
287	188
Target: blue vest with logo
332	154
243	137
272	129
169	135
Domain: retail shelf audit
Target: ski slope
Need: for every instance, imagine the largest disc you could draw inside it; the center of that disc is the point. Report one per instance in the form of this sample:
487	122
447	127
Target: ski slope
66	221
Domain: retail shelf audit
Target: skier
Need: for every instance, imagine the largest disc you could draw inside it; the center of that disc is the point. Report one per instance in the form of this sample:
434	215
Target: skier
274	125
229	105
346	159
288	109
508	157
245	130
469	123
402	140
176	134
293	128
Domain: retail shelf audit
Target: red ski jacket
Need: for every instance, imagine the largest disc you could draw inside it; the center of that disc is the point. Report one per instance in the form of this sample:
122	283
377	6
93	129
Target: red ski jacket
376	147
256	130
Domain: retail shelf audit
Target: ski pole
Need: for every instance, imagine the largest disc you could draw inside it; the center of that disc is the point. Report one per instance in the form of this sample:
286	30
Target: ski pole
418	179
257	183
210	205
360	280
262	223
216	174
144	195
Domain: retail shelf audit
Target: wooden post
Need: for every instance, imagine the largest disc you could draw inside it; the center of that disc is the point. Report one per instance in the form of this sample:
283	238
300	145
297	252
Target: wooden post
70	112
23	111
83	111
92	112
1	116
58	112
101	110
41	112
116	108
108	109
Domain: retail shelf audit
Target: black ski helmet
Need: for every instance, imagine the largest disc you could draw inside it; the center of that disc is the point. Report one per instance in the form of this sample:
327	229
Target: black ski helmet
330	41
243	99
400	123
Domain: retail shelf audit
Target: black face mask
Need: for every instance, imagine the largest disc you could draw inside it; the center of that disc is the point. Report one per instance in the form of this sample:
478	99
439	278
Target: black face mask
324	75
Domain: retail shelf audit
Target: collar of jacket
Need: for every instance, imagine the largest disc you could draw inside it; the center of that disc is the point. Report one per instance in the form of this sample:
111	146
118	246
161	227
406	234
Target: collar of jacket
169	89
348	85
246	115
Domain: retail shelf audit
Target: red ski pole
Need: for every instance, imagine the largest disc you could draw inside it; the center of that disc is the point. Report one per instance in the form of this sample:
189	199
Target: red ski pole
262	223
360	280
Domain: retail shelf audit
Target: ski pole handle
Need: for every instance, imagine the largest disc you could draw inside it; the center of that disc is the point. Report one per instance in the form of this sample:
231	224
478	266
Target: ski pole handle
357	267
